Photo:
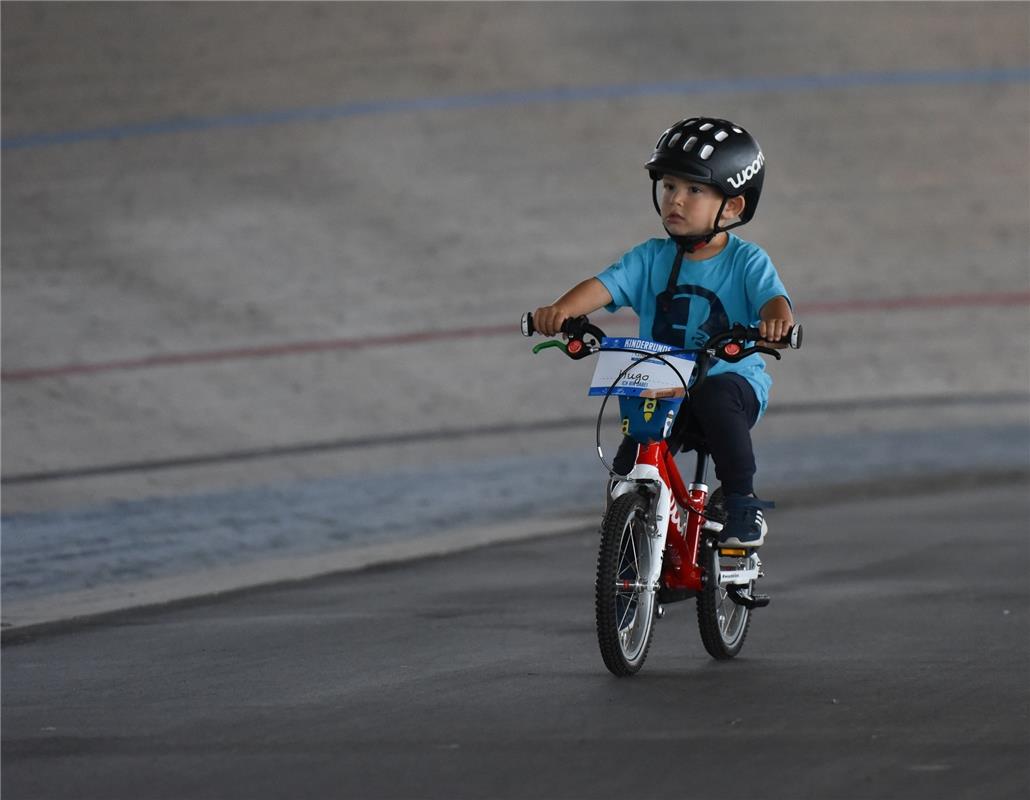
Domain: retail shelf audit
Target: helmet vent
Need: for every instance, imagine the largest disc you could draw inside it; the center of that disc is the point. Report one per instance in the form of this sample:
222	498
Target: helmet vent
706	127
706	151
674	138
737	130
687	145
721	136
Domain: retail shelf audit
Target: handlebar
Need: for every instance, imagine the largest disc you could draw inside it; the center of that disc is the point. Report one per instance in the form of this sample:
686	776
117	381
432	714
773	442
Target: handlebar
729	345
571	327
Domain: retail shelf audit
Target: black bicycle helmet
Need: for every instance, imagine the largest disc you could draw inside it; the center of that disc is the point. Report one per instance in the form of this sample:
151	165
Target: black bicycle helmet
712	151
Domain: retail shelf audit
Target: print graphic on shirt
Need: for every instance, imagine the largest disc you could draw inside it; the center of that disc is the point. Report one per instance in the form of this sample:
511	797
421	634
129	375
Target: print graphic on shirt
688	308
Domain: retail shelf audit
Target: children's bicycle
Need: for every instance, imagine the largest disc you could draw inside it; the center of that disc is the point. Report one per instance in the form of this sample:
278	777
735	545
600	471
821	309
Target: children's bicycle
659	535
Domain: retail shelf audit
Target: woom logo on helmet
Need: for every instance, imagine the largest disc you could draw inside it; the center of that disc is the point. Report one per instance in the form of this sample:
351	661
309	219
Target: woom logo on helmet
748	172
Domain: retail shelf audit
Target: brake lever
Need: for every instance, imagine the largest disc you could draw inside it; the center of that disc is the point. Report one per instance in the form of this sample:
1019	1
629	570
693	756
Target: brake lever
574	348
550	343
769	351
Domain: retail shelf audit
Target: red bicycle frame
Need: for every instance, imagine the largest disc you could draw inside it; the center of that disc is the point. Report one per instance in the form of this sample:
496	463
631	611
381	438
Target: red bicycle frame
681	570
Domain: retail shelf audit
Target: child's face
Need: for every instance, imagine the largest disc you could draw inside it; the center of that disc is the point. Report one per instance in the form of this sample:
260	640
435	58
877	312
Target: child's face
688	208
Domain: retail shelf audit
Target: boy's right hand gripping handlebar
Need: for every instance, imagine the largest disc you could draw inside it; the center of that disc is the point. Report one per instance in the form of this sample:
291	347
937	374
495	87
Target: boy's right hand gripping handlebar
576	328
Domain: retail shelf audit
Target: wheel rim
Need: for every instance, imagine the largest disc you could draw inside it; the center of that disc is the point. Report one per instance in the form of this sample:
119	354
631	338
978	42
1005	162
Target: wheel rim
633	606
732	617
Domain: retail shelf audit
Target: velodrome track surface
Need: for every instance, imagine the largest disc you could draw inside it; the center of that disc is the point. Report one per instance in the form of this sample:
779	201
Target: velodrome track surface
259	265
891	663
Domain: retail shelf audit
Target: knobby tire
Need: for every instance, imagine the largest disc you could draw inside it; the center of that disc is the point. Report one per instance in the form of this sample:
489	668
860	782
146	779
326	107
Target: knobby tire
625	619
723	624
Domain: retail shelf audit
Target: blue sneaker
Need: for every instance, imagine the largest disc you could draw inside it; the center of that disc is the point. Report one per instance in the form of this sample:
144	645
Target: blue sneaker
745	523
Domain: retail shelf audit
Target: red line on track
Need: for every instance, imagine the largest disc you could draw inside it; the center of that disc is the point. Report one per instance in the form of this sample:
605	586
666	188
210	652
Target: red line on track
916	303
508	329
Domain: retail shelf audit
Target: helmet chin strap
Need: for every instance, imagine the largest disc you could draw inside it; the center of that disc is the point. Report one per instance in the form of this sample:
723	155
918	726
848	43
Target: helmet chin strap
690	244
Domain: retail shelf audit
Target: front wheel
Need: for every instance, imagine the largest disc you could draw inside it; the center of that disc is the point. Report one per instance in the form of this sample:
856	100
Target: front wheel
722	622
624	604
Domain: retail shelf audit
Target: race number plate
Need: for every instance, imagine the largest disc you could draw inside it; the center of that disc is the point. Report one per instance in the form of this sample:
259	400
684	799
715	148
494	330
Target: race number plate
647	377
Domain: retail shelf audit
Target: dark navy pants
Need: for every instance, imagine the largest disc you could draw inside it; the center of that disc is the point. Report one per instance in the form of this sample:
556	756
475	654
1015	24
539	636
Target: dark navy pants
719	415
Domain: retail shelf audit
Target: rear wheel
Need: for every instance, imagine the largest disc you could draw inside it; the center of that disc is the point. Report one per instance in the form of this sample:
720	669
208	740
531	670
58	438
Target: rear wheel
624	605
723	623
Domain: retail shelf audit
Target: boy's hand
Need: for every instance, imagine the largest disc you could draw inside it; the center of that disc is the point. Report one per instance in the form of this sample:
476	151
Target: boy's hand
773	330
548	319
777	319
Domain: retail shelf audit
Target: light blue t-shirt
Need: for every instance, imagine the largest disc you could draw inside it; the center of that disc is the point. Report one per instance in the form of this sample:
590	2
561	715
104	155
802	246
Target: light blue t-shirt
710	297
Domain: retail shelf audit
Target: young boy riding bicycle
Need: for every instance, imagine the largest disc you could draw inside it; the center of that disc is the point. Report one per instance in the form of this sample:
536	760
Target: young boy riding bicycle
707	178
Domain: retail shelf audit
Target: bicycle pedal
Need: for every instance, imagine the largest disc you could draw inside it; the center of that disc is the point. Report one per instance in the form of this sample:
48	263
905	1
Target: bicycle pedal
742	598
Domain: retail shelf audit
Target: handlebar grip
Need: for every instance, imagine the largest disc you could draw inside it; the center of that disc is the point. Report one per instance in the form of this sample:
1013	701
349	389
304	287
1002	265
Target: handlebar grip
574	327
792	338
570	327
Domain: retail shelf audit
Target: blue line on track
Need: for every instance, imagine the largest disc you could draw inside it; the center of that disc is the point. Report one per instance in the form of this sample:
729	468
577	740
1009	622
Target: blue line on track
797	83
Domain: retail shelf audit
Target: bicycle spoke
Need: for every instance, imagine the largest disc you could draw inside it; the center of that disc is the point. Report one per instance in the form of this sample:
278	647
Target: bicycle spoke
629	544
630	605
731	617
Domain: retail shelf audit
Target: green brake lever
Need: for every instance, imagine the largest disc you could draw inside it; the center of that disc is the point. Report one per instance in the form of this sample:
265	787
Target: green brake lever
551	343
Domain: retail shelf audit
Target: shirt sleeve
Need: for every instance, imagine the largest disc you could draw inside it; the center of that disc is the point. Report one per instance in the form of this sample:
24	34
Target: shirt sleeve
762	282
625	277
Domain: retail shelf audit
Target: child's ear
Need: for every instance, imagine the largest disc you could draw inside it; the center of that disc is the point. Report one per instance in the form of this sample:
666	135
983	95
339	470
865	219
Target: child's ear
734	207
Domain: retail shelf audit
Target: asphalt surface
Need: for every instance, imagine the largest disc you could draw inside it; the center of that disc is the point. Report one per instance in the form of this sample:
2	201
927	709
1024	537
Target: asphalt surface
891	663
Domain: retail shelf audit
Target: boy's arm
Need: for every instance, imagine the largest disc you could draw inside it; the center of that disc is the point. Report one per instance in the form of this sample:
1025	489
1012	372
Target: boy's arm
583	298
776	319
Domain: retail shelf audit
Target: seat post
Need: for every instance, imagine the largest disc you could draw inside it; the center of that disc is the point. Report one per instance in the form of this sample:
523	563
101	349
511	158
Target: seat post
701	470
